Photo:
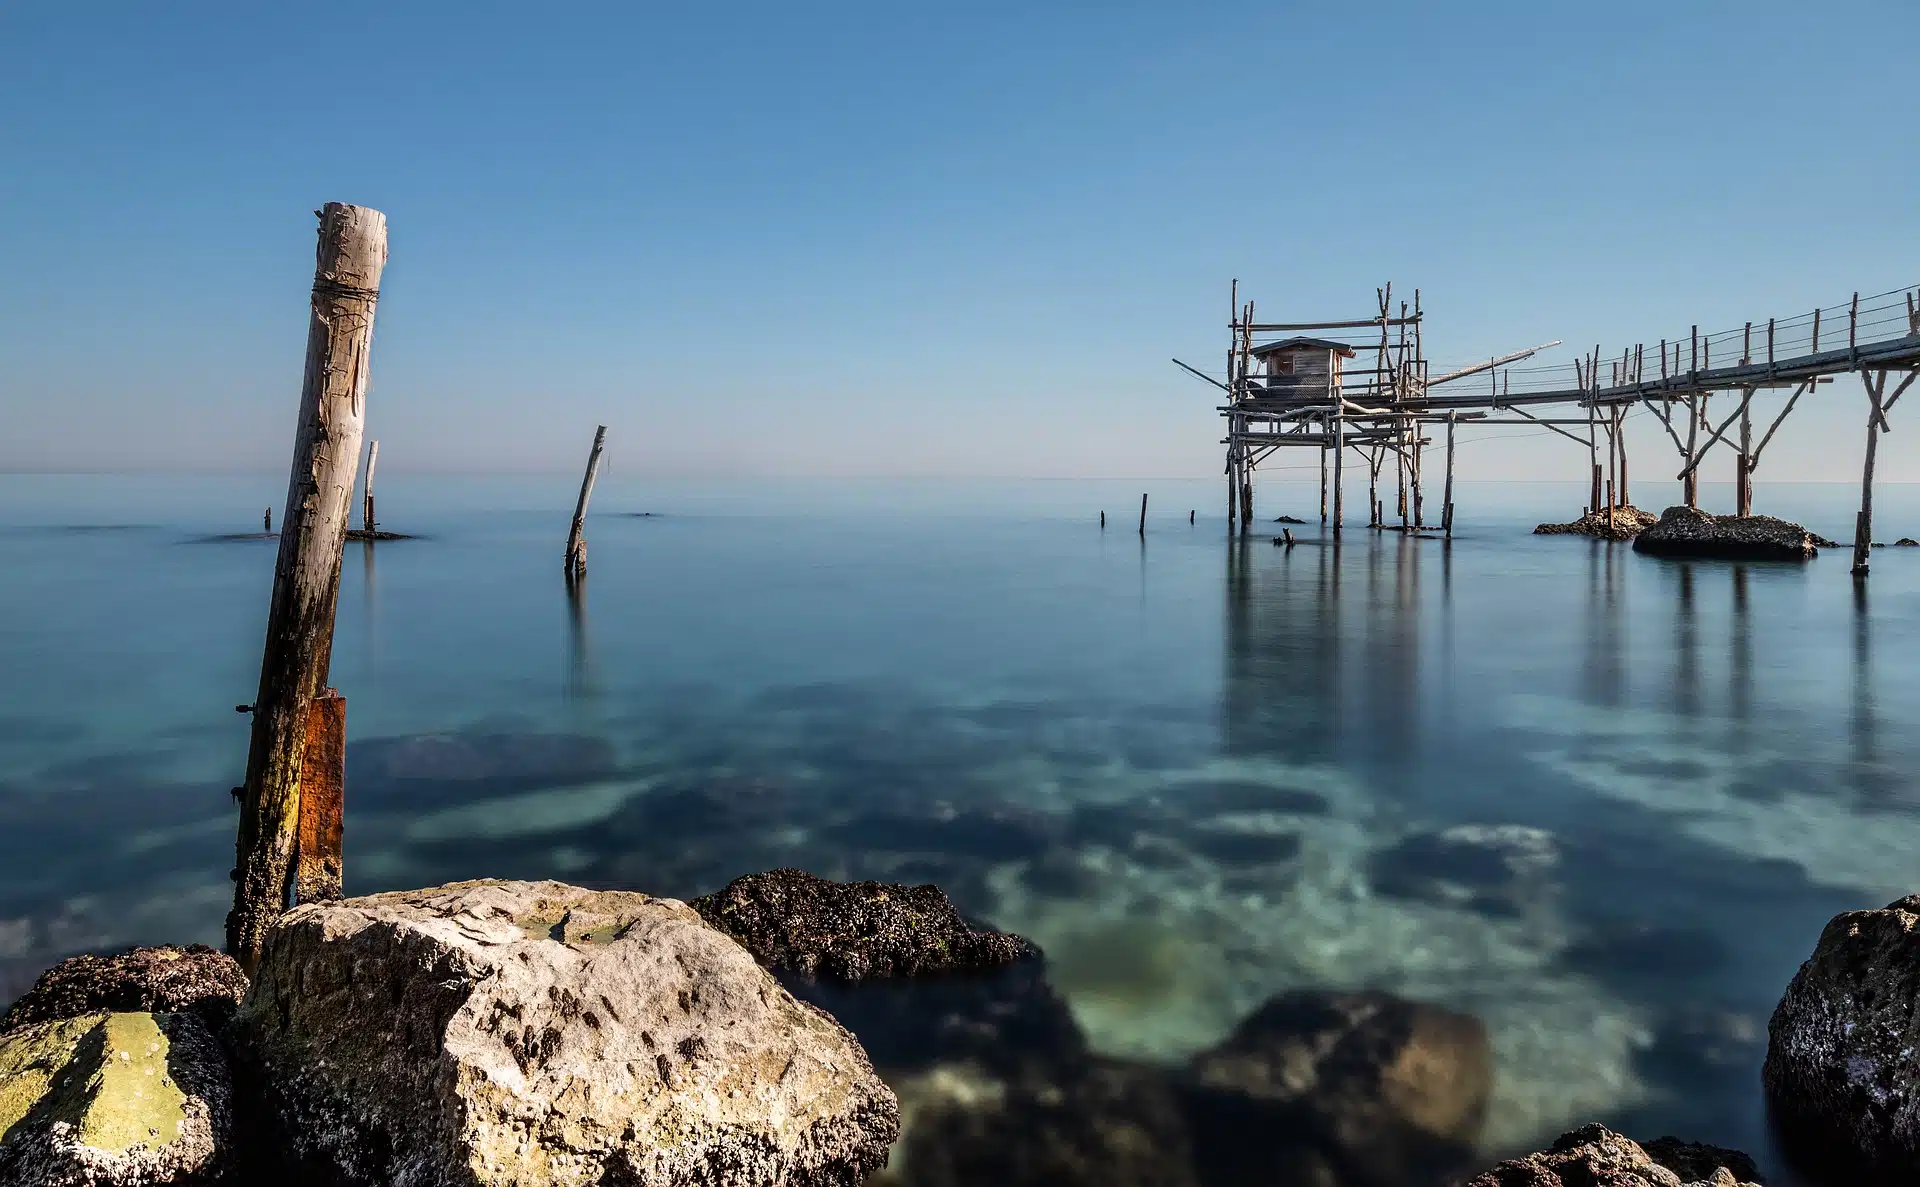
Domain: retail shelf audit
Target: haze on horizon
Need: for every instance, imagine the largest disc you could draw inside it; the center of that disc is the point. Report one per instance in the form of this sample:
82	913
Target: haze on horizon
885	240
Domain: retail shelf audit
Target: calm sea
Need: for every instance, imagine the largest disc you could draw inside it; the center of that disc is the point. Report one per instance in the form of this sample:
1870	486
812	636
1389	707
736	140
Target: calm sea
1603	802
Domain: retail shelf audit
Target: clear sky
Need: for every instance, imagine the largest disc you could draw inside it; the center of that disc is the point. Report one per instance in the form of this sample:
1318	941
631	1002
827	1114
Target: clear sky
898	239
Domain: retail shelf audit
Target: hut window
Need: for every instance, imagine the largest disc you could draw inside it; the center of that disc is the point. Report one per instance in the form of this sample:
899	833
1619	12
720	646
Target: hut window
1283	364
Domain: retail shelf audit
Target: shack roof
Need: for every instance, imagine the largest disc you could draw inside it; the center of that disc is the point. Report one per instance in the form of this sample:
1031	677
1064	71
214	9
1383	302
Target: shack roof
1302	344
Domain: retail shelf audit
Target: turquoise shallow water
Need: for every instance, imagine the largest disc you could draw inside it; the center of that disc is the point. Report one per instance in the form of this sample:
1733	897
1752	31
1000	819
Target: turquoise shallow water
1600	801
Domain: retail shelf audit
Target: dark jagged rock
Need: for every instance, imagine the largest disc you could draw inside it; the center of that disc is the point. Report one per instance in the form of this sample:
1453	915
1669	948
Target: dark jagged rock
1690	532
1906	542
1618	523
1842	1073
1391	1092
1595	1156
161	979
1821	541
1287	519
853	931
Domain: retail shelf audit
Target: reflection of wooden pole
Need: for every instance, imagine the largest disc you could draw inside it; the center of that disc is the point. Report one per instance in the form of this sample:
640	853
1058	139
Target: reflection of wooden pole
306	578
366	509
576	538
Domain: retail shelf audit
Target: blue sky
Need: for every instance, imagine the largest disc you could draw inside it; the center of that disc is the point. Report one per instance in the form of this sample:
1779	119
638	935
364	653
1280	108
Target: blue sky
858	239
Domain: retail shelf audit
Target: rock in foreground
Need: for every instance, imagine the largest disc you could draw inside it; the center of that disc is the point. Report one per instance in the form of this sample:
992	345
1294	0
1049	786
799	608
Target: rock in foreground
1843	1047
1688	531
1614	523
1595	1156
853	931
161	979
1393	1091
113	1099
537	1033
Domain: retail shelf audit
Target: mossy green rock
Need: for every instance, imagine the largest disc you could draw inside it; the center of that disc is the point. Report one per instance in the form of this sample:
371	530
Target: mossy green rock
112	1098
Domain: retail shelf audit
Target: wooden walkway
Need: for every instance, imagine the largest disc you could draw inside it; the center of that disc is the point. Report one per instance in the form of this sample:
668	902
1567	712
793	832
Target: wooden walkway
1383	406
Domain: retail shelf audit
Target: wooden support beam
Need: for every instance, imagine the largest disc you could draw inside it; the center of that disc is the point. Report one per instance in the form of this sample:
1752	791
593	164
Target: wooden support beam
1446	497
1753	459
1740	412
351	254
318	866
1863	523
576	556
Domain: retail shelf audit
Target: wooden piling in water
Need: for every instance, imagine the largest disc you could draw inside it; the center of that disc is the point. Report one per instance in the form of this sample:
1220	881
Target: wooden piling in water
1863	523
1446	495
266	520
306	583
367	520
1143	515
576	558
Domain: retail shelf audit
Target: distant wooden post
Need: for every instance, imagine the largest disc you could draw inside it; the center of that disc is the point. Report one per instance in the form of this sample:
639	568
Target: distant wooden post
367	520
576	538
306	579
266	520
1323	487
1863	523
1143	515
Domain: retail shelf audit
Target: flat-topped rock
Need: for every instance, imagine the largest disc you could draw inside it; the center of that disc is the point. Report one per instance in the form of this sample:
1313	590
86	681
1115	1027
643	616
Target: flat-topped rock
1690	532
113	1100
158	979
853	931
534	1033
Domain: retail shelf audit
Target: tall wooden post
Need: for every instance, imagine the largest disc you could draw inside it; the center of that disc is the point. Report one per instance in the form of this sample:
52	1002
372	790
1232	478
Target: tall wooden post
576	560
1143	515
1626	499
1743	465
1693	436
306	578
1446	496
367	521
1863	523
1339	462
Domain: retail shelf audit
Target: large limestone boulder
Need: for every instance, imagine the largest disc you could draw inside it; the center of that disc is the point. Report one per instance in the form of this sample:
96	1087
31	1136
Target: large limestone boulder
1843	1047
532	1033
1595	1156
112	1099
164	979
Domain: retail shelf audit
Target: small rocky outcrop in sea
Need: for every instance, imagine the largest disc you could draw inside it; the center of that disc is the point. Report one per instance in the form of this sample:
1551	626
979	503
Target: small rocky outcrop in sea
534	1032
1612	523
113	1100
1383	1089
853	931
1906	542
1842	1073
1691	532
158	979
1595	1156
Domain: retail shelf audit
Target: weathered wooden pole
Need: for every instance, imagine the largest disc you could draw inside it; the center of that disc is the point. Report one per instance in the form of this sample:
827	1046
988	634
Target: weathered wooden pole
576	537
1743	464
306	578
1446	496
266	520
367	520
1323	486
1863	523
1143	514
1339	462
1693	436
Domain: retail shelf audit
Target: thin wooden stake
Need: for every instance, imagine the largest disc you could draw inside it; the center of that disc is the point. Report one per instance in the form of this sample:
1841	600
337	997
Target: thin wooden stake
306	581
576	558
266	520
1863	524
367	520
1143	514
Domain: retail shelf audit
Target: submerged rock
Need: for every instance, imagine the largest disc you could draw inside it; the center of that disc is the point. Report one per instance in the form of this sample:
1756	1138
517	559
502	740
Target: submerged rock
537	1033
1499	869
113	1099
1688	531
158	979
1843	1047
1391	1091
1613	523
1595	1156
852	931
